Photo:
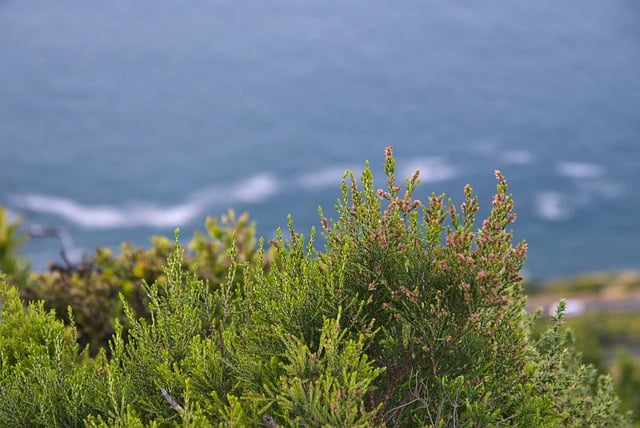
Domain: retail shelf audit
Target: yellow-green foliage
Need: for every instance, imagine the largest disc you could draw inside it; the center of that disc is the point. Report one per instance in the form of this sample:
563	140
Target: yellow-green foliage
604	340
409	316
92	288
11	263
608	339
44	380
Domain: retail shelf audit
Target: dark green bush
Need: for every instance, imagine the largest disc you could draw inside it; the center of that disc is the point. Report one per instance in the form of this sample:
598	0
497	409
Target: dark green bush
407	317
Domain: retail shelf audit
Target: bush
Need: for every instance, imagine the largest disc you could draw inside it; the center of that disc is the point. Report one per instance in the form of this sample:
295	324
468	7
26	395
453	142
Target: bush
92	288
44	380
11	263
407	317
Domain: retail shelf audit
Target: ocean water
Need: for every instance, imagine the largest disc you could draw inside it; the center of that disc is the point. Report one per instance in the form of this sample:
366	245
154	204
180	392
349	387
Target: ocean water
120	120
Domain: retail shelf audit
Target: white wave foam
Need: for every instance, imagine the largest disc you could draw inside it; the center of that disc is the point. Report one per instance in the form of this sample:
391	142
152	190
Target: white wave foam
552	206
109	217
328	177
170	216
431	169
517	157
253	190
580	170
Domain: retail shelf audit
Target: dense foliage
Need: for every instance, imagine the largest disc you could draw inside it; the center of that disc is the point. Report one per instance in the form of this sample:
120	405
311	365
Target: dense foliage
606	333
93	287
10	240
407	317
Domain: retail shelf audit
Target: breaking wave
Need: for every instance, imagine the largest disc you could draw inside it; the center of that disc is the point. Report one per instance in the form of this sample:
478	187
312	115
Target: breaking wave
255	189
552	206
106	216
328	177
580	170
432	169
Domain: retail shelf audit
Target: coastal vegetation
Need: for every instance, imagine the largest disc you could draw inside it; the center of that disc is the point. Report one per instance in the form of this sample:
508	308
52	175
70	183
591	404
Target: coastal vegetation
410	314
604	323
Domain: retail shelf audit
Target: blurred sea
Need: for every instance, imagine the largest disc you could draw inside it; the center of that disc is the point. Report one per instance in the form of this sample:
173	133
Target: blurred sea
120	120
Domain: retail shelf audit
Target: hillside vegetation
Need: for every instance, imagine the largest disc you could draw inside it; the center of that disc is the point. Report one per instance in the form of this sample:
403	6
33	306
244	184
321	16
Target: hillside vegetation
605	321
410	315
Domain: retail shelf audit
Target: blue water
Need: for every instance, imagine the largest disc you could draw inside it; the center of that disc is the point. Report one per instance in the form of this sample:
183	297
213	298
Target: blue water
120	120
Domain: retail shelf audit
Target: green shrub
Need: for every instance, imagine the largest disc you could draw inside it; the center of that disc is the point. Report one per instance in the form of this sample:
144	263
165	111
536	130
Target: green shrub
44	380
407	317
585	398
92	288
605	340
12	264
627	374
